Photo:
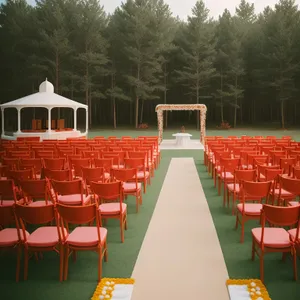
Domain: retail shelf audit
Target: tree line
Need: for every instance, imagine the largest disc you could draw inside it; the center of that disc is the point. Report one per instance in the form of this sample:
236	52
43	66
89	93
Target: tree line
244	67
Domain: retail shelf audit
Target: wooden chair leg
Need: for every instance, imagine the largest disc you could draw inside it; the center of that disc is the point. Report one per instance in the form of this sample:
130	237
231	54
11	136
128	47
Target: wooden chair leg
66	263
261	266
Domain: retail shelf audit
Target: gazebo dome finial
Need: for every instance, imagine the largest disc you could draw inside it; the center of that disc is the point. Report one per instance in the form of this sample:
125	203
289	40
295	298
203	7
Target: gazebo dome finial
46	87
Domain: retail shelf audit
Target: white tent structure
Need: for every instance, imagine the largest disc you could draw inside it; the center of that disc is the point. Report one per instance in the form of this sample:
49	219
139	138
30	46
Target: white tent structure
45	98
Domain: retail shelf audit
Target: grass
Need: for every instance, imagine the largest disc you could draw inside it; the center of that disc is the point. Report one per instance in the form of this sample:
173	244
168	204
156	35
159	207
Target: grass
196	134
278	274
43	275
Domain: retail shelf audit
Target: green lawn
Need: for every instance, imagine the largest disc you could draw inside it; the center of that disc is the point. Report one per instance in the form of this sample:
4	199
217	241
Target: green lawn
196	134
43	276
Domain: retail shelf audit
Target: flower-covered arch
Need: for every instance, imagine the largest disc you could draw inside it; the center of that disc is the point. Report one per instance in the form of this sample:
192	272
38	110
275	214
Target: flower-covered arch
169	107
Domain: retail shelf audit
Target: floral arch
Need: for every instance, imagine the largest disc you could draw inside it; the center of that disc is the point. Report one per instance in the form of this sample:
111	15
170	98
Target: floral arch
169	107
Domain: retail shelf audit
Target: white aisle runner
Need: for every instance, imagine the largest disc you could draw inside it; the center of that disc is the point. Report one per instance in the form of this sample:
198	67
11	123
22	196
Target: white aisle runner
181	256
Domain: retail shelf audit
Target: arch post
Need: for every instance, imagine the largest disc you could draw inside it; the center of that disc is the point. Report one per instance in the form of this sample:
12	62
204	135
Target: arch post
169	107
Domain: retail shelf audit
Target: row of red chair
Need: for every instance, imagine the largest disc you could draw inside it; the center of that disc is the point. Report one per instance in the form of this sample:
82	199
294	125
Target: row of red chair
70	189
252	173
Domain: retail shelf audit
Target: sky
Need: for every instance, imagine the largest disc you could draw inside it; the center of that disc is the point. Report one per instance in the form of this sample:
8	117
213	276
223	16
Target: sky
182	8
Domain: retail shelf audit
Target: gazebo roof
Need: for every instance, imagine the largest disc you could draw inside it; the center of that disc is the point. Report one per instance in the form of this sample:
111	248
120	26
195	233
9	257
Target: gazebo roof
44	98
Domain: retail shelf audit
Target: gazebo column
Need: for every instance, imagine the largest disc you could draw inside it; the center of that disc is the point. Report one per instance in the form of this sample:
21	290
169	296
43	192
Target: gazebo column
75	118
19	120
2	120
49	120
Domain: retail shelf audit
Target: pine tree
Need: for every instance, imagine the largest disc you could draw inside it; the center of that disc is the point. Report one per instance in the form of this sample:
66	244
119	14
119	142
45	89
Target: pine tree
224	40
92	49
198	53
280	52
53	36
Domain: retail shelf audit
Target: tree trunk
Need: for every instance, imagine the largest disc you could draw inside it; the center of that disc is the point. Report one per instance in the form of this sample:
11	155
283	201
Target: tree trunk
235	102
56	79
241	111
197	101
142	112
114	112
91	108
295	113
221	99
165	94
282	114
137	101
136	112
56	71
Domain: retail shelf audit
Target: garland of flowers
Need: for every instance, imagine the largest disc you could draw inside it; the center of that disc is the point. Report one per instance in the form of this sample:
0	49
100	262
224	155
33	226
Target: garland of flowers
169	107
256	289
106	286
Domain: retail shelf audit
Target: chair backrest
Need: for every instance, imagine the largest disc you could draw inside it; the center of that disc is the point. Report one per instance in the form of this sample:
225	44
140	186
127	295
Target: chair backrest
60	175
244	175
296	172
105	163
281	216
291	185
36	189
124	174
12	163
54	163
114	156
67	187
92	174
229	164
272	174
7	217
138	163
19	175
80	215
108	191
35	214
257	189
36	163
7	190
286	164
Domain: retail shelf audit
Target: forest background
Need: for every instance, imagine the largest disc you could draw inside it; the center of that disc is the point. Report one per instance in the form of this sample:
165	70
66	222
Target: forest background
245	67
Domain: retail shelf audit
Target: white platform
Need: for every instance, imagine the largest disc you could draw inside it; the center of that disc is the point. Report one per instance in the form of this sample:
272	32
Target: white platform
171	145
52	135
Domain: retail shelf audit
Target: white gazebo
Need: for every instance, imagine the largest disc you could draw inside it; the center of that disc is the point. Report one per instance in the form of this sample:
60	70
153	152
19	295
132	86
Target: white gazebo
45	98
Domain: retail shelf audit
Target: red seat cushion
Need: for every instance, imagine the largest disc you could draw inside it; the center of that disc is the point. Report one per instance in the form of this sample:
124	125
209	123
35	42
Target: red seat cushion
73	199
112	208
231	186
9	237
39	203
142	175
85	236
7	202
131	187
273	237
45	236
293	232
284	193
250	208
227	175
